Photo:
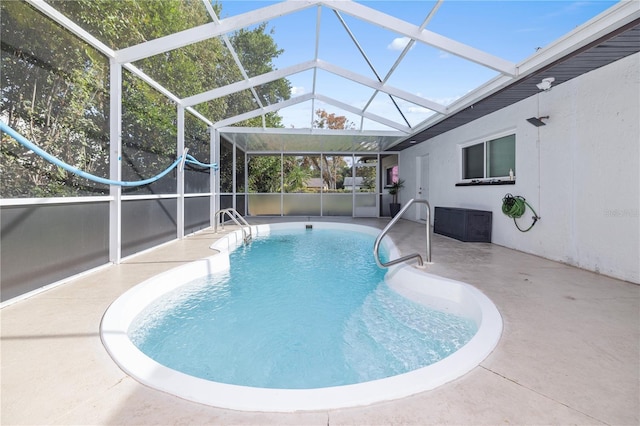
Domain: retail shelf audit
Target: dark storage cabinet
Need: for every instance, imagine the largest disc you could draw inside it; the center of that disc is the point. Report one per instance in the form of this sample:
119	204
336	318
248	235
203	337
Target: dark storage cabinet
463	224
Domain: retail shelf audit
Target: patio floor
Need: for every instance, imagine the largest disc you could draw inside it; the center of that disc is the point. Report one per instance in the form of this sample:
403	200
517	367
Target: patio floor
569	353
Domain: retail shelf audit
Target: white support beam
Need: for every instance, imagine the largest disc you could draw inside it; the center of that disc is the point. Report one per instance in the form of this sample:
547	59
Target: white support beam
115	161
247	84
157	86
256	112
430	38
283	73
307	131
374	84
181	174
214	157
199	116
230	48
67	23
206	31
151	82
316	57
370	116
52	13
405	51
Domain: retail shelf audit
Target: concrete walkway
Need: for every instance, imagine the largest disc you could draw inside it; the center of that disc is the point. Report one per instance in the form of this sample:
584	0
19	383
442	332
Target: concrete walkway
569	353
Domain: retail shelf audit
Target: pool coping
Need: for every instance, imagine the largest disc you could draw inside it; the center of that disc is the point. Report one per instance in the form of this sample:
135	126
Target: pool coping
454	297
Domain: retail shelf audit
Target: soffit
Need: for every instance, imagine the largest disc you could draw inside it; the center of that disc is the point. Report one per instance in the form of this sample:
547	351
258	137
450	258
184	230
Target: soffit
610	48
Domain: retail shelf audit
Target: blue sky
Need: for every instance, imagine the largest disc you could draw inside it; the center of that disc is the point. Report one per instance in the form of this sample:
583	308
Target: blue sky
511	30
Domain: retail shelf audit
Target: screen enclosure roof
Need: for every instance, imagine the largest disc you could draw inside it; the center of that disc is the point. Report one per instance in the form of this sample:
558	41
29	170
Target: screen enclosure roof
331	49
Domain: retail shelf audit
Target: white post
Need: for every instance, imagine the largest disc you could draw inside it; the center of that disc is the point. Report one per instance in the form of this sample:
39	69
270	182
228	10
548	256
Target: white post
115	159
181	174
234	181
214	157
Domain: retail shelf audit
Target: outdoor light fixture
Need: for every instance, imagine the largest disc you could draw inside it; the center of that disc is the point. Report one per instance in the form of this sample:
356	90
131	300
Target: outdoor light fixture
545	84
537	121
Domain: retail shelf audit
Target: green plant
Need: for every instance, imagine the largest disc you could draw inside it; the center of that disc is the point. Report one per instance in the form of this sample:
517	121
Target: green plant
395	189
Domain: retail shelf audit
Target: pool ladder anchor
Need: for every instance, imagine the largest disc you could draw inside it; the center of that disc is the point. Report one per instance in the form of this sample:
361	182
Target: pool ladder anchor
237	219
376	246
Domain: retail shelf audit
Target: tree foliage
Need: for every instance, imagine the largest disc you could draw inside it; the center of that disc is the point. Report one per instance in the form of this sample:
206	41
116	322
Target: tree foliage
265	171
327	120
332	165
55	91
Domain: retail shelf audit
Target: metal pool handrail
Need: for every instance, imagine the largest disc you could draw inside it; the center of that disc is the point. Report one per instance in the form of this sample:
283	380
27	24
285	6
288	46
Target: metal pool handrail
236	218
376	246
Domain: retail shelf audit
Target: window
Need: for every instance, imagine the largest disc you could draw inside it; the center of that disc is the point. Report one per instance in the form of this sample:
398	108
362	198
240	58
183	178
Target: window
491	159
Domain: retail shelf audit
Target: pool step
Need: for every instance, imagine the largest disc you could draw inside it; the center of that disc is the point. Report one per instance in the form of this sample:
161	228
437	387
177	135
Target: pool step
389	333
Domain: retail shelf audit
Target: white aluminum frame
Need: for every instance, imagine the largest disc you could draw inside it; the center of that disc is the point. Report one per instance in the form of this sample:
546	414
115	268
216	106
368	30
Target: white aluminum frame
613	18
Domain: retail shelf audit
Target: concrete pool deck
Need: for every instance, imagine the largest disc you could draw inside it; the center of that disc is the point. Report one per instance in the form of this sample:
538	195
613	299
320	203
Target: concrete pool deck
569	353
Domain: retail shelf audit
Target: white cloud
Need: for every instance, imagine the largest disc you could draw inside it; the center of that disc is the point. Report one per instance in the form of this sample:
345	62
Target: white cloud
399	43
297	90
444	55
418	110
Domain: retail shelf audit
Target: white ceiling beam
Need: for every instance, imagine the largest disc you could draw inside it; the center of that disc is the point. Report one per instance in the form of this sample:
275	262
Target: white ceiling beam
199	116
67	23
247	84
370	116
375	84
424	36
406	50
230	48
212	29
355	41
316	56
257	112
307	97
308	131
52	13
304	66
151	82
285	72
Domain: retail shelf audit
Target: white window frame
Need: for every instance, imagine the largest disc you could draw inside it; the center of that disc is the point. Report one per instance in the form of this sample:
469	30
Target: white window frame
484	141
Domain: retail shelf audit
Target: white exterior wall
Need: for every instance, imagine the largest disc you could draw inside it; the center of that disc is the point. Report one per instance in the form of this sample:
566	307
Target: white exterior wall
580	172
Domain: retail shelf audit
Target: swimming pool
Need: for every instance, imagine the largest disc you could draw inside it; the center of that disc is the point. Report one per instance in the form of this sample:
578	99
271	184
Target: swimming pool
436	292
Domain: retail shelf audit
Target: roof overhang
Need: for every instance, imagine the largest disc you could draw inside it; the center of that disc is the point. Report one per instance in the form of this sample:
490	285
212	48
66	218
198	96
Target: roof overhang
607	38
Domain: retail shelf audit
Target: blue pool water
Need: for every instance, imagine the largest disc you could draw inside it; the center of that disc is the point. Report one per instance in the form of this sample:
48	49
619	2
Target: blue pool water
299	309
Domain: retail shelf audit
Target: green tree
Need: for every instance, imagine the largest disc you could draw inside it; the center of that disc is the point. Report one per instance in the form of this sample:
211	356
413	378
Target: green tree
297	171
54	93
264	173
55	89
332	165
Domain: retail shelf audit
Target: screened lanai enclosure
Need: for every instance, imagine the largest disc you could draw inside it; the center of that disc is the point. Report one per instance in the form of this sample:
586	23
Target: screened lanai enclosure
128	124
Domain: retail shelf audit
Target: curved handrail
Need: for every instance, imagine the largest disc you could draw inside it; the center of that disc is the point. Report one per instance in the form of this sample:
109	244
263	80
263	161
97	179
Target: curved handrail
234	216
376	246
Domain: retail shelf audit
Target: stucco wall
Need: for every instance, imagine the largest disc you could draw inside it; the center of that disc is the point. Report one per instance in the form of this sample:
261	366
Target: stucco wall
580	171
